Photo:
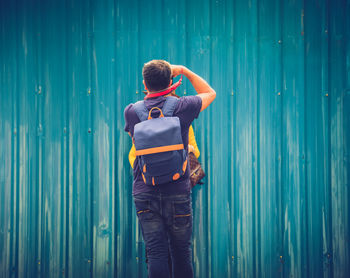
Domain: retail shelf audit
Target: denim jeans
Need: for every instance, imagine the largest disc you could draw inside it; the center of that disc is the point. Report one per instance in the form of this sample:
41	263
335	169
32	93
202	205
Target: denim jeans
166	224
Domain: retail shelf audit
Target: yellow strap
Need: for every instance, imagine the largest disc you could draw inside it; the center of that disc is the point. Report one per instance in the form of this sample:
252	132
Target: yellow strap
160	149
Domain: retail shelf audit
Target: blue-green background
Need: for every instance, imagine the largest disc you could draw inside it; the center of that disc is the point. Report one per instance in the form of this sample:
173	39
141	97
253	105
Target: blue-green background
274	144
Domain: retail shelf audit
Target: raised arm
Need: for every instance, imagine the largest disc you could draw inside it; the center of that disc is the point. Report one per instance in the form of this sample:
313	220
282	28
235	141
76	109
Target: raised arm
205	92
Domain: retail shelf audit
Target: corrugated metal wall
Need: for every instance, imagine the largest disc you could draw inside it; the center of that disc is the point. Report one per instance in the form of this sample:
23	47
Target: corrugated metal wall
275	144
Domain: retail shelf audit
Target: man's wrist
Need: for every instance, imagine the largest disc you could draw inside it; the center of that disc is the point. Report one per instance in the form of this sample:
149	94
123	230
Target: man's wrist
185	71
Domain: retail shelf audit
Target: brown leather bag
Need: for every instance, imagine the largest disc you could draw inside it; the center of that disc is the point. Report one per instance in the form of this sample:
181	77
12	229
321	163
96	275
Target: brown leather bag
197	172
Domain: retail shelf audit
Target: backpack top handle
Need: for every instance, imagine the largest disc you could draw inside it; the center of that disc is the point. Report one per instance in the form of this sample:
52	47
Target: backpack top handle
160	116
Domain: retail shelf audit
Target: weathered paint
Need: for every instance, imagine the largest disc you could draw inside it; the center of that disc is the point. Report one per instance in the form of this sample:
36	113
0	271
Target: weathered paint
275	143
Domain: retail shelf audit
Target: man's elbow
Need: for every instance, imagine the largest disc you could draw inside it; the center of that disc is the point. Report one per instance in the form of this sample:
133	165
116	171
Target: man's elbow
207	99
214	94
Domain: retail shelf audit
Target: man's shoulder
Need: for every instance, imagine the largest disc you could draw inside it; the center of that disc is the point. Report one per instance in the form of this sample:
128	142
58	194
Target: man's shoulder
129	111
189	106
127	108
130	117
189	101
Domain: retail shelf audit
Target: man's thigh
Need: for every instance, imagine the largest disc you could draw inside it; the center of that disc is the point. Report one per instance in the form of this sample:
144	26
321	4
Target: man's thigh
180	235
179	215
152	225
147	211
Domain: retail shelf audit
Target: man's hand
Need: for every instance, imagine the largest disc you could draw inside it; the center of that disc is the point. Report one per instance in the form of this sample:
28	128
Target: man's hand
176	70
190	148
203	89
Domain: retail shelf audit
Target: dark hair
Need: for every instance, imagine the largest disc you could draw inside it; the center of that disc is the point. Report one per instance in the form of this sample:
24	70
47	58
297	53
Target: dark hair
157	75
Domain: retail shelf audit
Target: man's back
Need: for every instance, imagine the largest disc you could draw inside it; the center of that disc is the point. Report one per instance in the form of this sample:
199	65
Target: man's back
187	110
165	210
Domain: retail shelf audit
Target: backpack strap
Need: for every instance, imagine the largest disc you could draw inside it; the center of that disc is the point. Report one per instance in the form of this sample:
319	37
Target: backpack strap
169	106
141	110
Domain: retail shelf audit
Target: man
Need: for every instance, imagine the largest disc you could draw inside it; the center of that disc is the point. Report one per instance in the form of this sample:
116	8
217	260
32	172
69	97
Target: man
165	211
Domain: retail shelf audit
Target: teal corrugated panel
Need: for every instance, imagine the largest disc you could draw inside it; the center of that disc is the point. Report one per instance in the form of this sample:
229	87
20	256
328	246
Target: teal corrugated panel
293	140
104	140
129	245
27	211
317	140
269	223
8	144
339	135
78	131
274	144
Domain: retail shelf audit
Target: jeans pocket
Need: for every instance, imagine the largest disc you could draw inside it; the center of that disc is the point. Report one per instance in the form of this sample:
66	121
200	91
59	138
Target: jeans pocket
143	209
182	217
